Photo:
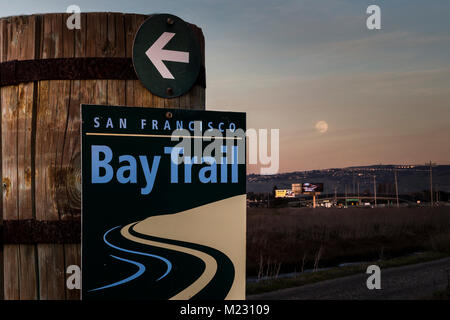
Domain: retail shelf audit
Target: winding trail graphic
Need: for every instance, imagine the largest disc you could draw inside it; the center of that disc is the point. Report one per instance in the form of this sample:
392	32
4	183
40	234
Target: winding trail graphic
169	265
181	270
193	254
132	277
209	261
215	281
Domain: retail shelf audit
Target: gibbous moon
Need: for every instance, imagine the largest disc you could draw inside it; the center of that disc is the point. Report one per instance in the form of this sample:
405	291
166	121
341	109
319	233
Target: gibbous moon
322	126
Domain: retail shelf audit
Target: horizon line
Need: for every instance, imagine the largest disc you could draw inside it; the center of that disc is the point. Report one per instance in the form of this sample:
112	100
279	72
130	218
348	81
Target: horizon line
349	167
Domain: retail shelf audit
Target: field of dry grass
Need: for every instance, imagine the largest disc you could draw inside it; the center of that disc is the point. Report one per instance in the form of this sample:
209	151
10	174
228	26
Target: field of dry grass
294	239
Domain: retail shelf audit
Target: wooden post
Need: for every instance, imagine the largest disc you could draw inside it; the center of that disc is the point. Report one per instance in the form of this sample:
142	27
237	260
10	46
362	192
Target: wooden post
40	144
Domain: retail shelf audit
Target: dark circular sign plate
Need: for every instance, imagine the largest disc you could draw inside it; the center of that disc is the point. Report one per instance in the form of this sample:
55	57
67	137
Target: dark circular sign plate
166	55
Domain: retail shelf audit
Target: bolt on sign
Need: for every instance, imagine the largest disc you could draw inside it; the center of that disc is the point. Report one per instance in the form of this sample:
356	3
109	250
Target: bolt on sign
163	205
166	56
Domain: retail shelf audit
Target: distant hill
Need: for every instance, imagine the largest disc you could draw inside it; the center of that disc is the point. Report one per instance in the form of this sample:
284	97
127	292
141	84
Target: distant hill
410	179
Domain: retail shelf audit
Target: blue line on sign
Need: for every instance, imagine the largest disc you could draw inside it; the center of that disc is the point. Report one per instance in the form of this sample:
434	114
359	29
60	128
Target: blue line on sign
132	277
168	263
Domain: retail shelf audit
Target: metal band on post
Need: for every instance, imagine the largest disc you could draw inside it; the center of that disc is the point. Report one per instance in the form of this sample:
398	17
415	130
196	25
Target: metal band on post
34	231
20	71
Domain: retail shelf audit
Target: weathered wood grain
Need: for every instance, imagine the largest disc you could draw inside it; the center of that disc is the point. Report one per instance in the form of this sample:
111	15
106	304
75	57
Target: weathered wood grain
2	50
68	195
9	168
40	144
18	108
51	118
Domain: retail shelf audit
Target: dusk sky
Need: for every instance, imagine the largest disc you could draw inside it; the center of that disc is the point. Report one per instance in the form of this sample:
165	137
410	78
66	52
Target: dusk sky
385	94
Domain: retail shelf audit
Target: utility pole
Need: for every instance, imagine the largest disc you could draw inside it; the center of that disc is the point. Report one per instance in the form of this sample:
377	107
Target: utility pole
353	189
345	204
431	183
335	195
437	194
396	186
375	190
359	200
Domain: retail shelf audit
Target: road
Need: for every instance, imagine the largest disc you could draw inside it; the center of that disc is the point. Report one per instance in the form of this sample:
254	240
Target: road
408	282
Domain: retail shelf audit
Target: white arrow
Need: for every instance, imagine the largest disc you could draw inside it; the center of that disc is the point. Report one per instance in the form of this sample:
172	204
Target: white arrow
157	54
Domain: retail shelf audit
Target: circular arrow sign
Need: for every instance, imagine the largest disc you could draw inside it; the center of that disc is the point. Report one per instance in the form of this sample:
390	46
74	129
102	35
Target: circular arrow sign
166	55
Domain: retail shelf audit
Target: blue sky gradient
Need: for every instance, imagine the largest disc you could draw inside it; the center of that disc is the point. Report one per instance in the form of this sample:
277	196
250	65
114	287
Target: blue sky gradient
385	94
